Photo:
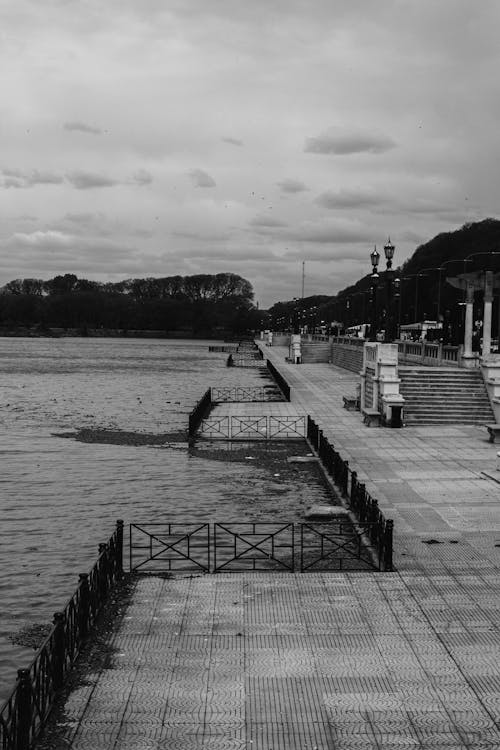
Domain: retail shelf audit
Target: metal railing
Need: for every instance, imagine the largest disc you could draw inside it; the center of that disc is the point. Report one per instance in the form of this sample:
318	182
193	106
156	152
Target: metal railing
253	427
201	410
240	394
235	547
24	713
379	530
279	380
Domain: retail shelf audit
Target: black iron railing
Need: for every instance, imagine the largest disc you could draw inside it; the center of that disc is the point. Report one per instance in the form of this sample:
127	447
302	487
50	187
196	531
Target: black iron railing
279	380
169	548
25	711
379	530
200	411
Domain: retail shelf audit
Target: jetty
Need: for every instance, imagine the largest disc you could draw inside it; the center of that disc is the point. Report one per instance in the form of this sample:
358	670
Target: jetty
408	658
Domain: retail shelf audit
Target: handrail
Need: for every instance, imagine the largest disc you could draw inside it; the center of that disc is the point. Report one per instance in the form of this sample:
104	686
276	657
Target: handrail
199	412
365	508
24	713
279	379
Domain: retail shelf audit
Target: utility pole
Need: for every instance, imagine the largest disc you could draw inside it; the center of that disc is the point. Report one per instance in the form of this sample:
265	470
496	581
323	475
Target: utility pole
303	276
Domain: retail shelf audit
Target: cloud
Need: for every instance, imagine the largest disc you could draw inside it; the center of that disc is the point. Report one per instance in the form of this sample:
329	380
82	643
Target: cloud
233	141
82	127
292	186
87	180
201	179
263	220
18	178
142	177
332	231
349	199
340	141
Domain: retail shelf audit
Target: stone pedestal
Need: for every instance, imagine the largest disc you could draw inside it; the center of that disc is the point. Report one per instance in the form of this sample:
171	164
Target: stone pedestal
490	366
295	349
380	381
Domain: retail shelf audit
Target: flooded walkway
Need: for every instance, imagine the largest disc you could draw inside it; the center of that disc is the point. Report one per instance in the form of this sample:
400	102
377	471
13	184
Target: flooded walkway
272	661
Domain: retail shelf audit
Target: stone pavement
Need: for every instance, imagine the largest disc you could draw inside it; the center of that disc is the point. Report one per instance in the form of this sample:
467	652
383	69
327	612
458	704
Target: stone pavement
409	659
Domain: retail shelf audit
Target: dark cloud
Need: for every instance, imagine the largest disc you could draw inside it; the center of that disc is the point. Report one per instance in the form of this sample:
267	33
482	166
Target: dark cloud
336	141
82	127
18	178
292	186
348	199
263	220
87	180
201	179
233	141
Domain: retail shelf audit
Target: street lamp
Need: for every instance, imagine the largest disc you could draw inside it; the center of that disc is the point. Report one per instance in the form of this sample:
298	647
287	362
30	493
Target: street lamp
374	257
392	289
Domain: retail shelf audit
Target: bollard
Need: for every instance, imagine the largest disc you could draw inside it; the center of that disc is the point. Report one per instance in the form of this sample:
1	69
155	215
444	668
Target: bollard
23	710
84	605
59	650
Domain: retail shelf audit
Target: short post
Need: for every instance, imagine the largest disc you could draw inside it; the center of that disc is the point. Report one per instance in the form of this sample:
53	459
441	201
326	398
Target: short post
84	605
23	710
389	528
354	479
103	571
119	549
59	649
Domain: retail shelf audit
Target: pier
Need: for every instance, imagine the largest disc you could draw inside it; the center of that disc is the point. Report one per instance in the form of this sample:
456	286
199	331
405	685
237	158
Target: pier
325	660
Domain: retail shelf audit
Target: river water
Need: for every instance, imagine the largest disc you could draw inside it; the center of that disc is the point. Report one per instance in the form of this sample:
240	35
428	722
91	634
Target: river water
60	497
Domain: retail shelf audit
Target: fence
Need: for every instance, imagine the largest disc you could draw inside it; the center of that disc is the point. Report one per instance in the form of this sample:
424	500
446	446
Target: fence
279	380
25	711
378	529
200	411
253	427
240	394
428	353
232	547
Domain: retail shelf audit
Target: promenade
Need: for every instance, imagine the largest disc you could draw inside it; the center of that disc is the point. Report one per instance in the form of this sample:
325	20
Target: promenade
282	661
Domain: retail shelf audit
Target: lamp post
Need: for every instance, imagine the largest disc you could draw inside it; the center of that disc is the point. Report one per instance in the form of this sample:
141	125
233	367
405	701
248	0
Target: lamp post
392	292
374	258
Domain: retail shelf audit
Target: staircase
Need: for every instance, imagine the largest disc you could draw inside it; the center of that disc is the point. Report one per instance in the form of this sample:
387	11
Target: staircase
435	395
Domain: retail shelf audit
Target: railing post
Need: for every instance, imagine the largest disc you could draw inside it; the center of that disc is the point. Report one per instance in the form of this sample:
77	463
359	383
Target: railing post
389	527
103	571
59	650
23	710
354	479
84	605
119	549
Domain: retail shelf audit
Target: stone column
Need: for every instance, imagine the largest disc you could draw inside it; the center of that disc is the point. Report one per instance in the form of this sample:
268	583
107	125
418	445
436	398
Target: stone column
488	304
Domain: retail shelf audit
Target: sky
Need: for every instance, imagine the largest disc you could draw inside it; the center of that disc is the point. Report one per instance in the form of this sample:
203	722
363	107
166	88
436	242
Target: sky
162	137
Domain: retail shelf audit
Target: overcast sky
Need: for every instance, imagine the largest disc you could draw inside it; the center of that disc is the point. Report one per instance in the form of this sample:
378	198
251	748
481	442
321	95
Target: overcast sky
161	137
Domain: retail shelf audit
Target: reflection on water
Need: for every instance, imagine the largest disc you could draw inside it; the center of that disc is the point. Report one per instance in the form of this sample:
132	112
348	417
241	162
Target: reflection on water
61	497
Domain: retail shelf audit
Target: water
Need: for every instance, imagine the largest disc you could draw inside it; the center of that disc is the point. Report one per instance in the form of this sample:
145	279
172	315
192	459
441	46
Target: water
60	497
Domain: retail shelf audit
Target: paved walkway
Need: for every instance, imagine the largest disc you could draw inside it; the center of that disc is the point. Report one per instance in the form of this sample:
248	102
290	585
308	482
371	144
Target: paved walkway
409	659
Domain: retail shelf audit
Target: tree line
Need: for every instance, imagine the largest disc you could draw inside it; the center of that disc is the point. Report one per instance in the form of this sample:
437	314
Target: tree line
201	304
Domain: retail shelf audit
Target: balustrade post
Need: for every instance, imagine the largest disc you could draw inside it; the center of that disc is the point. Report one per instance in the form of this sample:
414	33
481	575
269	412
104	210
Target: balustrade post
59	650
84	605
345	477
354	480
103	571
388	535
23	710
119	549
